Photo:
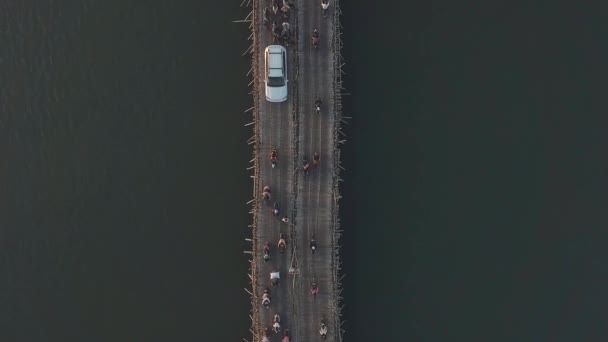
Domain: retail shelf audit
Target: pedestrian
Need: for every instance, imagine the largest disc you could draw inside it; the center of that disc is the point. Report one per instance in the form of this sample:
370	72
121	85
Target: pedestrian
285	219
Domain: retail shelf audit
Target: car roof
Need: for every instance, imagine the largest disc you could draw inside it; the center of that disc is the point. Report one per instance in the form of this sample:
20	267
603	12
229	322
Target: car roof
275	60
275	72
275	48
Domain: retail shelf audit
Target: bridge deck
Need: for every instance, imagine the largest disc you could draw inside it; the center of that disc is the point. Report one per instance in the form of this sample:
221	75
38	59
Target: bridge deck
297	131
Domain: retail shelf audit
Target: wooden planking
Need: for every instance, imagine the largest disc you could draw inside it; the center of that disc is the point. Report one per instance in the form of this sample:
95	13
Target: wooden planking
313	204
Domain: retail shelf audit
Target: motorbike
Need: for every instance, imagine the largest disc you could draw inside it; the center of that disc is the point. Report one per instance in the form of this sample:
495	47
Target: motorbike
276	326
313	245
266	194
266	17
274	158
315	39
266	251
305	167
285	336
323	330
285	32
282	243
314	290
276	32
324	7
274	277
266	299
318	104
275	210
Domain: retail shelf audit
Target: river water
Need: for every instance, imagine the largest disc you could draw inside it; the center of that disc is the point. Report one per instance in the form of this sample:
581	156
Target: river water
476	185
475	189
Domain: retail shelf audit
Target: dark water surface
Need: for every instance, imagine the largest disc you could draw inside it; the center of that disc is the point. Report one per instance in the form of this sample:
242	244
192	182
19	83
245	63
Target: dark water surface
123	182
476	187
475	193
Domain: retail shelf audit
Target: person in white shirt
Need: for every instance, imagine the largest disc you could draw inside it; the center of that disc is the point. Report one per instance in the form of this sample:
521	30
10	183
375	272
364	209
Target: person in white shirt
324	6
276	326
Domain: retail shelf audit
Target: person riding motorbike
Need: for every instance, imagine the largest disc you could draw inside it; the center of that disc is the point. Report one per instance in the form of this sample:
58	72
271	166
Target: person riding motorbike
282	243
276	31
315	159
314	289
323	329
266	298
313	244
306	166
286	6
324	7
315	38
274	158
318	104
274	277
266	17
266	251
285	34
267	335
276	326
275	6
266	193
285	336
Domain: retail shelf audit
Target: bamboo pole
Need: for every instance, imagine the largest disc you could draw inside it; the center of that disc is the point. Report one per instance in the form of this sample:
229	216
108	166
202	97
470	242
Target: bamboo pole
338	72
249	49
253	73
249	16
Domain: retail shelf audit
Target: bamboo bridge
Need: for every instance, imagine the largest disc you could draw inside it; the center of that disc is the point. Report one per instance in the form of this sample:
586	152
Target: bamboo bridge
296	131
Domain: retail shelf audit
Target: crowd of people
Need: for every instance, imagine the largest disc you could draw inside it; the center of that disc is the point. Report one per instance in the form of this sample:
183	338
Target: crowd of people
277	17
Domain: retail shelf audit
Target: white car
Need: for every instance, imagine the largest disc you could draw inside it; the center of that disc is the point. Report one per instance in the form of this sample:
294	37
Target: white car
275	77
